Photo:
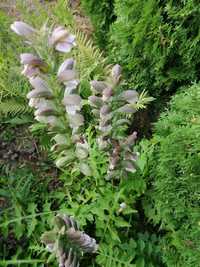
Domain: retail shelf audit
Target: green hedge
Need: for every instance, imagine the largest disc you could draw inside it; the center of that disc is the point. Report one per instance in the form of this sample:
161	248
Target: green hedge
102	15
174	171
157	42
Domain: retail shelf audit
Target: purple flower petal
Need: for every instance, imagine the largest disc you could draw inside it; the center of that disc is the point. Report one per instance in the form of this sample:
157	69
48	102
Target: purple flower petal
64	47
72	100
68	64
22	29
67	75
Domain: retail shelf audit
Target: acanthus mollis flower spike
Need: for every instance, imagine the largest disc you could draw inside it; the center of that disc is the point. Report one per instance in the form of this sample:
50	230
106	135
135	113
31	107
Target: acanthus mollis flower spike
33	65
23	29
67	242
116	74
62	40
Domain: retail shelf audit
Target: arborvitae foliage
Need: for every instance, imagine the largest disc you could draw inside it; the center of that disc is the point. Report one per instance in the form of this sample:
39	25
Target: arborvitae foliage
174	170
157	42
102	15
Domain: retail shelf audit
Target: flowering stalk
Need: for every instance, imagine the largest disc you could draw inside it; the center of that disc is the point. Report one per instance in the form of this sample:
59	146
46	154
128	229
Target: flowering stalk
58	107
67	242
112	110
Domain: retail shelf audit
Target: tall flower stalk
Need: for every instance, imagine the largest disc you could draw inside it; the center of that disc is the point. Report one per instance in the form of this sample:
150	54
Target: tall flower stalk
58	104
113	110
67	242
55	95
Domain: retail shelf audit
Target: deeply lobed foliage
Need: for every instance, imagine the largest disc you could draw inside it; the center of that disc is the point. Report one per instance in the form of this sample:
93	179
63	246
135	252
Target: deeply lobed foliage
174	169
13	87
157	42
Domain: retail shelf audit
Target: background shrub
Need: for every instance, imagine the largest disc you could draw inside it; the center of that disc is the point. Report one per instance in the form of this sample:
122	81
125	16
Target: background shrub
157	42
175	171
102	15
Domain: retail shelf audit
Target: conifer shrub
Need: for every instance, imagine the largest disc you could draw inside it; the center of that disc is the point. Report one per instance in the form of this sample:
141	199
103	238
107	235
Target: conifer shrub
102	15
157	43
174	169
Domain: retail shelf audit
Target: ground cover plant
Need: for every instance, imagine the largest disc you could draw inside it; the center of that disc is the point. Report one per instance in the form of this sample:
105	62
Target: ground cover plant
77	186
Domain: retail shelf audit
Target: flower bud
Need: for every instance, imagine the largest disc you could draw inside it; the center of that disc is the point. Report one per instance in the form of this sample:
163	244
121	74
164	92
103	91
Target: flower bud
71	87
30	71
72	103
131	96
116	73
62	40
68	64
28	58
98	86
37	93
128	108
39	83
67	75
32	65
76	120
23	29
107	93
105	109
38	102
123	206
45	108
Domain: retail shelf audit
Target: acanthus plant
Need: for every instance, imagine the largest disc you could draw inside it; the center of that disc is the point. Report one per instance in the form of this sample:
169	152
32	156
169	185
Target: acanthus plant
57	102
